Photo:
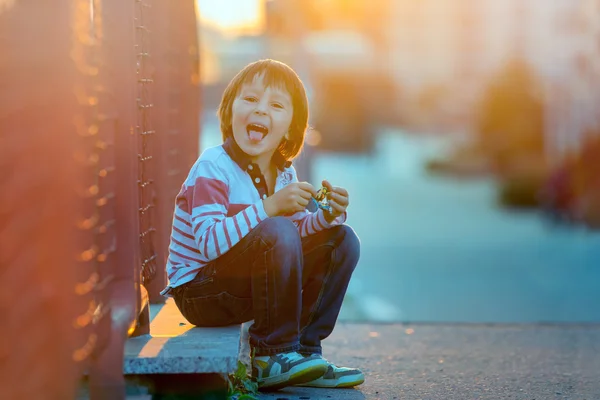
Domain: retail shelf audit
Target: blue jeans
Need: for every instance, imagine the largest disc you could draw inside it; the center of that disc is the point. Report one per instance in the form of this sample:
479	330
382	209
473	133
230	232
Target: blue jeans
292	287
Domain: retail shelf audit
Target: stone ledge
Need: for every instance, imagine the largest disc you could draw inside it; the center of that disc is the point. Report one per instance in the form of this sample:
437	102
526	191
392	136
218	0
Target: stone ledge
174	346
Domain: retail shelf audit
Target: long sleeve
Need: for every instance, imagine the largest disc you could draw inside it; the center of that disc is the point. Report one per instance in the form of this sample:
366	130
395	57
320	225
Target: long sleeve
213	233
309	223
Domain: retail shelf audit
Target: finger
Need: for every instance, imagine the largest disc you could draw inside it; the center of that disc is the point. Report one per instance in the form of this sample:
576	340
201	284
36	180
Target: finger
305	195
307	187
340	190
341	200
326	183
303	202
299	205
338	208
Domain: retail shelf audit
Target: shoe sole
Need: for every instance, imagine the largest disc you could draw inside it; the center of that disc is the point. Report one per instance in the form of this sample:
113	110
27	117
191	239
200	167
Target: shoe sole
339	383
290	379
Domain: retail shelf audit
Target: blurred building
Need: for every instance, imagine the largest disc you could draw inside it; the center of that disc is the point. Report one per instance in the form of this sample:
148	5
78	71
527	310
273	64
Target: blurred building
444	52
452	48
223	55
340	49
574	78
424	64
438	54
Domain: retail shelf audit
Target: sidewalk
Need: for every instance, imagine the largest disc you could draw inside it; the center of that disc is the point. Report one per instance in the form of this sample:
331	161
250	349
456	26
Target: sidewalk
464	362
461	362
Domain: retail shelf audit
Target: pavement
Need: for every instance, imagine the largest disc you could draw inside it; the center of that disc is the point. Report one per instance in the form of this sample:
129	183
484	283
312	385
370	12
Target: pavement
459	362
399	360
445	361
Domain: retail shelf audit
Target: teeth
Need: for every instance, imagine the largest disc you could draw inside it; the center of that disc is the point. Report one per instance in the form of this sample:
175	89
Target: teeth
258	128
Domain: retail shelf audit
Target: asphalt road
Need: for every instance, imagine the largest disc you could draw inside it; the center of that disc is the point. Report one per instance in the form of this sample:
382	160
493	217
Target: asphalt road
460	362
456	362
436	250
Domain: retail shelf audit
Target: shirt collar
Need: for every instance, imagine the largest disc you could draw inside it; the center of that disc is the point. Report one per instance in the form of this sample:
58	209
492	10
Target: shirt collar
243	160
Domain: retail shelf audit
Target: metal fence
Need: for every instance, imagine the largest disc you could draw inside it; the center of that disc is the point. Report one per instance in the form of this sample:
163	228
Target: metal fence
99	122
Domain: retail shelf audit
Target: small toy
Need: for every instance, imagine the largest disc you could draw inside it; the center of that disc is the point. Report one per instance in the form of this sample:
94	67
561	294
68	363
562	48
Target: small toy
321	199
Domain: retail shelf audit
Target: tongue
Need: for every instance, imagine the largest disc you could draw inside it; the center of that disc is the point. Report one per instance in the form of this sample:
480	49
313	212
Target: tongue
254	135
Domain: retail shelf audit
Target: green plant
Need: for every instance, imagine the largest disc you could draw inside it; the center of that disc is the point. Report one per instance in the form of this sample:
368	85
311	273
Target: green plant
241	386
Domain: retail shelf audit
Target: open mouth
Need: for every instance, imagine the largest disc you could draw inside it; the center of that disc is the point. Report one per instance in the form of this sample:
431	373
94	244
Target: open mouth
257	132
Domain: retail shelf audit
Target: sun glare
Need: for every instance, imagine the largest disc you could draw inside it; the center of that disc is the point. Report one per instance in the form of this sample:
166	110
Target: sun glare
232	15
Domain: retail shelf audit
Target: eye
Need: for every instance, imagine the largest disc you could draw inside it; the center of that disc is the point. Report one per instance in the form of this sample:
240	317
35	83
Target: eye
251	99
277	105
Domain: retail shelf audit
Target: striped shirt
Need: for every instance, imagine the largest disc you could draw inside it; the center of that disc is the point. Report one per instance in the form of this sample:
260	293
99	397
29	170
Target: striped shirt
219	203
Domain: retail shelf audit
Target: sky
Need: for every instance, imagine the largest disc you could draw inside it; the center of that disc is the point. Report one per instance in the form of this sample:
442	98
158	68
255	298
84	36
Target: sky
231	14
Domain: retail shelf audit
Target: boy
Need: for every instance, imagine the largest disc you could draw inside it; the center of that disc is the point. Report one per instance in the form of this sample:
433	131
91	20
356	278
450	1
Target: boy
243	245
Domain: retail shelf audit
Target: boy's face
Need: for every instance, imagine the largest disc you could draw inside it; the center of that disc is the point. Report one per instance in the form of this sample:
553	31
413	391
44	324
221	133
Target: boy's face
261	117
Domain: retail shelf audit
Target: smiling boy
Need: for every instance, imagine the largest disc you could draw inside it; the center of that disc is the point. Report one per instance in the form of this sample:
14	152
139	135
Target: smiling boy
244	247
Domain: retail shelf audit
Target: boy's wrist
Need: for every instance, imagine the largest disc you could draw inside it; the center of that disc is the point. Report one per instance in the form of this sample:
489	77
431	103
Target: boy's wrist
329	217
269	207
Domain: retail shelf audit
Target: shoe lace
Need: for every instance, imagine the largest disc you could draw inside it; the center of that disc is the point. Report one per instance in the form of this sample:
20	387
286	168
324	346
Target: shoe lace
292	356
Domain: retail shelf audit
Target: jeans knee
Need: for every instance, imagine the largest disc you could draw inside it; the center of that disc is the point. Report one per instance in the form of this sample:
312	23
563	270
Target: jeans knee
280	232
349	245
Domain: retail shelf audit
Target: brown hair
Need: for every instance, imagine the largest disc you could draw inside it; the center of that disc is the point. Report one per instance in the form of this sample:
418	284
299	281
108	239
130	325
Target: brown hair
278	74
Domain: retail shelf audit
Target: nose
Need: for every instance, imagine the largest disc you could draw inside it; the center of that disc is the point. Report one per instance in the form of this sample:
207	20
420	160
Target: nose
261	108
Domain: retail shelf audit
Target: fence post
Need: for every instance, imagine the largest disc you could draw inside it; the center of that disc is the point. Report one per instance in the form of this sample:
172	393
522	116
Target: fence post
175	117
48	250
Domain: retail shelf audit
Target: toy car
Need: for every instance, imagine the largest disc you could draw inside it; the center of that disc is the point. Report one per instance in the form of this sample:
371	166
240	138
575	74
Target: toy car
321	199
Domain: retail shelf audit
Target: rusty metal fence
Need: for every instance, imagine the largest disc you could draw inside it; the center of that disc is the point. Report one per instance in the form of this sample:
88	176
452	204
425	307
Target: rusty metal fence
174	62
99	123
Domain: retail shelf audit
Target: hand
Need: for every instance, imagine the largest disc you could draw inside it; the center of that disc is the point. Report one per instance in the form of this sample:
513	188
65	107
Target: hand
338	199
289	200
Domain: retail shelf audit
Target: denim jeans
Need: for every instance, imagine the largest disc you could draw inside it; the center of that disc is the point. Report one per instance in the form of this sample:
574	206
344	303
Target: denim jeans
292	287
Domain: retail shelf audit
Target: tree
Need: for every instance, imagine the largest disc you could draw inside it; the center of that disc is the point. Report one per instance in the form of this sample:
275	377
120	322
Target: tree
510	116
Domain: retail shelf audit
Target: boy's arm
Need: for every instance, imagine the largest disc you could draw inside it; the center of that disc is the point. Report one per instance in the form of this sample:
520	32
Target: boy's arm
309	223
214	232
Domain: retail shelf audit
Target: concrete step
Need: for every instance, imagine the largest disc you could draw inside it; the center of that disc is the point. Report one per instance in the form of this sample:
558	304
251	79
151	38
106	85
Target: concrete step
174	346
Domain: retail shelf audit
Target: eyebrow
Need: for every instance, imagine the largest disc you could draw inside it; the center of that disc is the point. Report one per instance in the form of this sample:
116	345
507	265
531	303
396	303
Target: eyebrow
277	93
282	97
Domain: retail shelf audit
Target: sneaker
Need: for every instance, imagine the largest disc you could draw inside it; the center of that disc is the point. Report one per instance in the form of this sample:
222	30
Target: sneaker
286	369
337	377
